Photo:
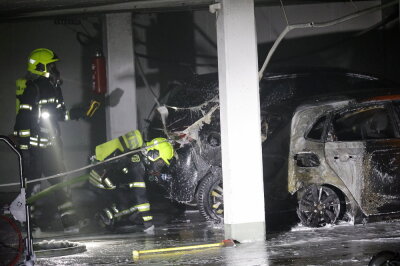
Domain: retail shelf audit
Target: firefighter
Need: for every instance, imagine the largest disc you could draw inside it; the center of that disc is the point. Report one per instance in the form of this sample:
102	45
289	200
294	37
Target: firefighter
40	106
123	180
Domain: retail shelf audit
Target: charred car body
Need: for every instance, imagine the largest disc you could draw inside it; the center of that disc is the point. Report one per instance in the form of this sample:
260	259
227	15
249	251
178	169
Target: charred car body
193	121
345	157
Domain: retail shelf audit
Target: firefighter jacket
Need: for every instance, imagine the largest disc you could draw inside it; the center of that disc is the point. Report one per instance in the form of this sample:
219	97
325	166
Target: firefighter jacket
123	172
127	172
41	107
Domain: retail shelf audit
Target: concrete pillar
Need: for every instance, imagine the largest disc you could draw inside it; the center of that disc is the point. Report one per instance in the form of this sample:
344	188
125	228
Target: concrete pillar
240	121
121	113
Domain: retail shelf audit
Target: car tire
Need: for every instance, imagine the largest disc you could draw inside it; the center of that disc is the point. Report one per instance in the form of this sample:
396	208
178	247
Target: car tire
318	206
210	198
385	257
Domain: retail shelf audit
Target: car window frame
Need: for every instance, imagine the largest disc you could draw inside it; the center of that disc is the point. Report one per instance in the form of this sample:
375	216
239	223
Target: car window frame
395	117
324	130
385	105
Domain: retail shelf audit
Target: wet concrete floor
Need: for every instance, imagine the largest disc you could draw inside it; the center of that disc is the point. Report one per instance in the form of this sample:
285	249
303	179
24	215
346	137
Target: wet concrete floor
343	244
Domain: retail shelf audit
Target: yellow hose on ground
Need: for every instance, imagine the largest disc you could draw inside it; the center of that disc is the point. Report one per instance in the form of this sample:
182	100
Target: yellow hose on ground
225	243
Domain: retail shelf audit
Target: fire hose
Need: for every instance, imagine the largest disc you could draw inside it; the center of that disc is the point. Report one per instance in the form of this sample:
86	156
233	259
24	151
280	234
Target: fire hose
137	254
55	187
84	167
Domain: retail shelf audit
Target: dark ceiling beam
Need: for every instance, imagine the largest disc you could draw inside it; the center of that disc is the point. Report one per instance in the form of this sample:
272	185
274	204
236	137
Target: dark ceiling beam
48	8
20	9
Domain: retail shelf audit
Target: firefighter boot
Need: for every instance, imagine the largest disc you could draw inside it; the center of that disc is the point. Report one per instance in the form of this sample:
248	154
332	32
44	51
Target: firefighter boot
106	219
148	227
69	219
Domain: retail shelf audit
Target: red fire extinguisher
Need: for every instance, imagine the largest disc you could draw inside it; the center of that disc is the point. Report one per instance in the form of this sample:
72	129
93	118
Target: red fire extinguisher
99	79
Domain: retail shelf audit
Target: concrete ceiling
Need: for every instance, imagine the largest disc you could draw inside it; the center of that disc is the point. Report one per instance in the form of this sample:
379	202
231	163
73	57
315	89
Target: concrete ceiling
17	9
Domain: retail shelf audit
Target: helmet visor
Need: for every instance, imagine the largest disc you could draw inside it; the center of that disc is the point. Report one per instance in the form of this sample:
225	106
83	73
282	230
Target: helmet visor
153	155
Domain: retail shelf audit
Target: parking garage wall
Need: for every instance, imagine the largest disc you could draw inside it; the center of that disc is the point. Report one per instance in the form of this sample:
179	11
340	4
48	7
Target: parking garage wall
17	41
359	45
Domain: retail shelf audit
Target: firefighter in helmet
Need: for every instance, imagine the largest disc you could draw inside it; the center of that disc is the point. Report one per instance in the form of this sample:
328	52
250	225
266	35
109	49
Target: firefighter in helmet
40	108
123	180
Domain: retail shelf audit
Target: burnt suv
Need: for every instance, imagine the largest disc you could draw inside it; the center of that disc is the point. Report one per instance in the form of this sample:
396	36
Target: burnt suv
345	158
193	121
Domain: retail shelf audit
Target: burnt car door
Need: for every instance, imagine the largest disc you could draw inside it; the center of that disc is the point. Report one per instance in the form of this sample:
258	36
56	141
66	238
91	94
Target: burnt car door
363	149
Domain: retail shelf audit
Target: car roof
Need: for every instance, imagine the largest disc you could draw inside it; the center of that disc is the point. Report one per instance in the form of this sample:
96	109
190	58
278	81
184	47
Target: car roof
299	71
334	103
382	98
283	84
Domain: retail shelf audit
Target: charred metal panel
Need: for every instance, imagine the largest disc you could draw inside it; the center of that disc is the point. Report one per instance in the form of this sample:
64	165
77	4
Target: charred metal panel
346	160
302	121
301	177
187	172
307	159
367	171
210	149
364	156
382	176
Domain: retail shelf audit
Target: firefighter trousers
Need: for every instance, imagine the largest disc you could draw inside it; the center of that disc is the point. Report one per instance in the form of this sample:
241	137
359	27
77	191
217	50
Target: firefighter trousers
122	193
38	162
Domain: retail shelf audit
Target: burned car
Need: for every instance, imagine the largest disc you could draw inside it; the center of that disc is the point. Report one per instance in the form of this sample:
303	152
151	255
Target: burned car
344	159
192	120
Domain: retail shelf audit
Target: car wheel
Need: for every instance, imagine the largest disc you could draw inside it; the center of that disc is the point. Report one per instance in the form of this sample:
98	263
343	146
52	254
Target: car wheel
386	257
210	198
318	206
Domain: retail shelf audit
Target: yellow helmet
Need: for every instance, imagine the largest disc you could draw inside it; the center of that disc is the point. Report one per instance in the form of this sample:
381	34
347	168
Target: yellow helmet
162	150
39	59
